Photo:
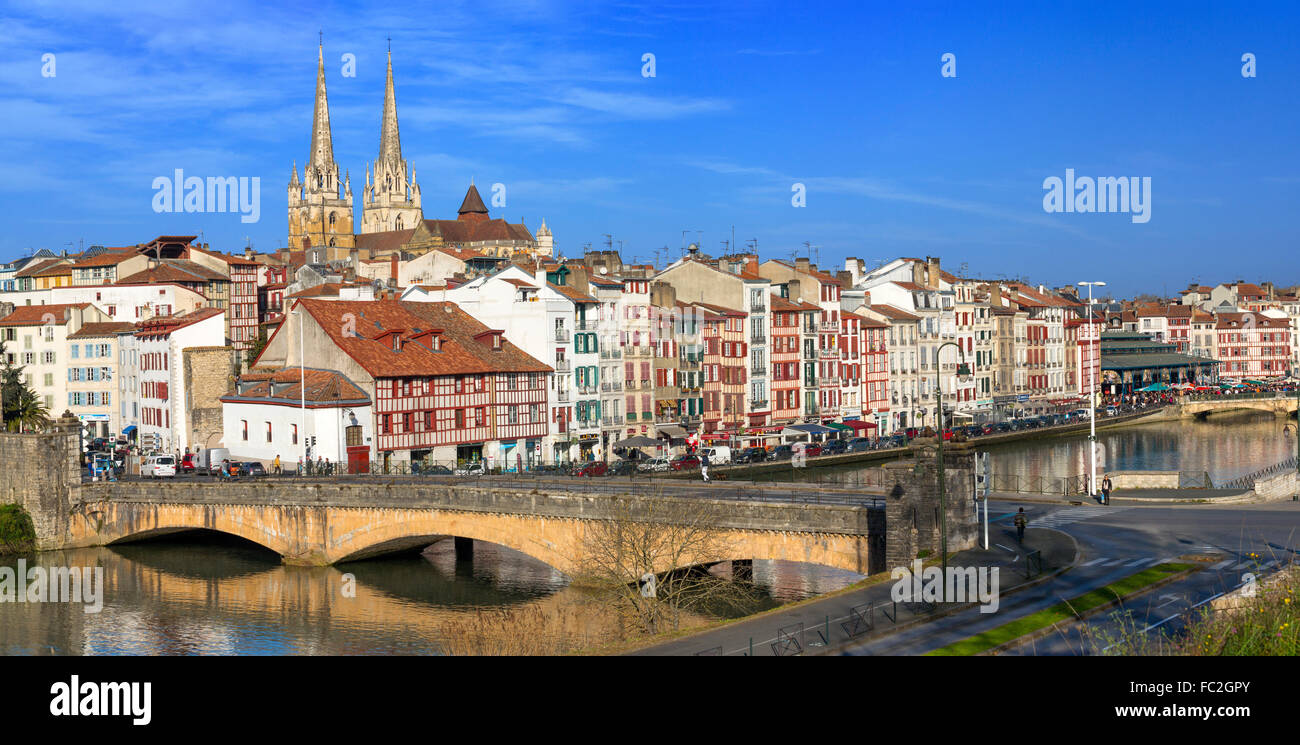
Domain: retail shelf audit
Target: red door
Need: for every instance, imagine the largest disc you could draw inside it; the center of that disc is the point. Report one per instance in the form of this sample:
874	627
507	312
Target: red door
359	459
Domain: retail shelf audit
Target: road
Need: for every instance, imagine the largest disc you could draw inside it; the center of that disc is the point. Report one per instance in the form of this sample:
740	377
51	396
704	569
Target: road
1115	542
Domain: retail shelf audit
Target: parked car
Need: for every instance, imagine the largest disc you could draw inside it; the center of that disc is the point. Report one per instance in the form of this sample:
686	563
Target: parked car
781	452
684	462
859	444
911	433
159	466
429	469
750	455
98	444
251	469
189	463
592	468
897	440
473	468
653	465
834	447
1111	411
623	467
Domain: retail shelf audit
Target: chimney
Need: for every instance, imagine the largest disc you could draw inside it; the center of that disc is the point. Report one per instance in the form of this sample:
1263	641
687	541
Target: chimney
803	264
751	264
392	268
932	272
792	291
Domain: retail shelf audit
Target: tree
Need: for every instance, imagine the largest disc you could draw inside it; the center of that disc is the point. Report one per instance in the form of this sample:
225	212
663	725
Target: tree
13	391
28	413
648	558
254	349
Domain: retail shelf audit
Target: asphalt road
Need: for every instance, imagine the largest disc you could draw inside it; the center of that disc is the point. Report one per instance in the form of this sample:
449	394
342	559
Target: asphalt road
1115	542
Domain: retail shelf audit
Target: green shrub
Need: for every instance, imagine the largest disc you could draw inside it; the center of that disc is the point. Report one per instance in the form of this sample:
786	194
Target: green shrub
17	535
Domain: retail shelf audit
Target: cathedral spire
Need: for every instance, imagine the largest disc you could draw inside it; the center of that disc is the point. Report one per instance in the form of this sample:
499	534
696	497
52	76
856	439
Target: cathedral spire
322	147
390	142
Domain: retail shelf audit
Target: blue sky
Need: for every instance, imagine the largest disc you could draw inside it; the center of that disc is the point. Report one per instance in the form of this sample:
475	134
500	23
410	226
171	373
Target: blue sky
749	98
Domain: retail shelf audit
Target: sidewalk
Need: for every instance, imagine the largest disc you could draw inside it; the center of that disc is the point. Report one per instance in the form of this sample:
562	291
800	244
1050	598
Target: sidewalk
869	613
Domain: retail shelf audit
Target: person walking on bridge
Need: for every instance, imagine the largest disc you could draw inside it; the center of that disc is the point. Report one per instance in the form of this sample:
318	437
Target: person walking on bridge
1105	490
1021	521
704	465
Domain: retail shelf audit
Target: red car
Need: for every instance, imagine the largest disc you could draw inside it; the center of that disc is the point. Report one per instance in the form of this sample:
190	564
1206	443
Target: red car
683	462
594	468
189	462
812	449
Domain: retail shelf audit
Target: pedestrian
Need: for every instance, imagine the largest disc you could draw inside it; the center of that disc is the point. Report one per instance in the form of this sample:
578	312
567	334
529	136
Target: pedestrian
300	465
329	467
320	466
704	466
275	465
1105	490
1021	521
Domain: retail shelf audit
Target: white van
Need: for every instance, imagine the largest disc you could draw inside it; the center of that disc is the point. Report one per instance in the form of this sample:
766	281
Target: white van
159	466
210	459
718	455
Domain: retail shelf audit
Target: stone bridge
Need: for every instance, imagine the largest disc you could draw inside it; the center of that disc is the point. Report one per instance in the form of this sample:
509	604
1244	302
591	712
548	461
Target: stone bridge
322	522
1279	406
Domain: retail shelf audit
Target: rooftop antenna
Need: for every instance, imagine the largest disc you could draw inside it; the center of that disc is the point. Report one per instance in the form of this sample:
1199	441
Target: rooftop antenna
752	243
609	241
726	245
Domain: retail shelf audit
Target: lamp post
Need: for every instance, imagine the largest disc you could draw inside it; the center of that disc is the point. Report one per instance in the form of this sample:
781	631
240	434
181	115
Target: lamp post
302	387
962	371
1092	395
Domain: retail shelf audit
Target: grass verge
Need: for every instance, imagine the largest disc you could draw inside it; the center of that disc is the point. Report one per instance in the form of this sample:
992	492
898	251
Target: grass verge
1064	611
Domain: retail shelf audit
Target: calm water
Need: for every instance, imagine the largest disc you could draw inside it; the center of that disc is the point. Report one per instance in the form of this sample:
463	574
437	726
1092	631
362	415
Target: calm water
206	594
1226	446
201	593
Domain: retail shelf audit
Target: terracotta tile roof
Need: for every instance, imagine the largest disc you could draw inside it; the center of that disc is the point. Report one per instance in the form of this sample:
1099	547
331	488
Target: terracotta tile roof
323	387
110	257
785	305
34	315
1241	321
721	309
387	241
572	294
465	349
327	289
473	231
33	268
111	328
57	269
172	271
228	258
168	324
894	314
520	283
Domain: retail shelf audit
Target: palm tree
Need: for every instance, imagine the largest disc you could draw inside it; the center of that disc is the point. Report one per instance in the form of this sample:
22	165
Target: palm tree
27	413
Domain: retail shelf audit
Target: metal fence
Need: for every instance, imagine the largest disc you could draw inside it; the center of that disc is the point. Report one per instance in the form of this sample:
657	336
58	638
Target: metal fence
1248	481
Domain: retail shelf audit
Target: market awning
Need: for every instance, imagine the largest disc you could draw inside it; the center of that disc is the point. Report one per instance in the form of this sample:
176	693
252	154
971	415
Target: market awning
128	429
1154	387
639	441
839	427
672	430
812	429
856	424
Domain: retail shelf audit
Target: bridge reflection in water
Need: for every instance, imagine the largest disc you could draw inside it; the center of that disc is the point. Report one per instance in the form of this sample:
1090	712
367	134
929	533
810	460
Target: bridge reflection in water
208	593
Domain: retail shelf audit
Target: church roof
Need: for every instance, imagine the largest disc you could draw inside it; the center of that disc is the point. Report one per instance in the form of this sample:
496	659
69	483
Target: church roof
473	203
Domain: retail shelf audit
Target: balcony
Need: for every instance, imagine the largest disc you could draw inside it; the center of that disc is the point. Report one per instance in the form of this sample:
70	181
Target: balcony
562	396
612	421
587	390
809	354
828	326
757	338
562	335
587	325
828	382
828	354
608	387
758	405
611	354
561	366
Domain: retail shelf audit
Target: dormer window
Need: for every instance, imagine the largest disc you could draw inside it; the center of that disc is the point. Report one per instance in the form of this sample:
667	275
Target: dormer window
496	341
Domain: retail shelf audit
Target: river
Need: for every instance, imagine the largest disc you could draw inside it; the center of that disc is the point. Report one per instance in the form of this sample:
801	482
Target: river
203	593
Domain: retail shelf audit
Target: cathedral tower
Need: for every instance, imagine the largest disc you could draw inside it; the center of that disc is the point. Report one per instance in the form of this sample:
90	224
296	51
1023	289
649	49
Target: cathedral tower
319	216
392	202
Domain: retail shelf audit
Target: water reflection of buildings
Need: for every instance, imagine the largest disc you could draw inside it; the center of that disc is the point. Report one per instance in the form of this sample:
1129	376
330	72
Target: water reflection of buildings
181	597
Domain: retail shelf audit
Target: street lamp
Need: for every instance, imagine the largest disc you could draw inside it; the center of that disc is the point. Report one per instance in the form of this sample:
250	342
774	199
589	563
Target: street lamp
1092	394
963	372
302	388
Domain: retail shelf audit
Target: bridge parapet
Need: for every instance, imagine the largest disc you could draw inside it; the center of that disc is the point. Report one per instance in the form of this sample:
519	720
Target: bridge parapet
740	515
